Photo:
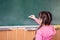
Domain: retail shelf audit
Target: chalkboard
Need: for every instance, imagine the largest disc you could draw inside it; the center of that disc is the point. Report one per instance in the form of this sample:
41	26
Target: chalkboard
16	12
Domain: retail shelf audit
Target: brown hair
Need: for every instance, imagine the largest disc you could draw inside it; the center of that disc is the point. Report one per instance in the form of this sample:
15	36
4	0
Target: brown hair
46	17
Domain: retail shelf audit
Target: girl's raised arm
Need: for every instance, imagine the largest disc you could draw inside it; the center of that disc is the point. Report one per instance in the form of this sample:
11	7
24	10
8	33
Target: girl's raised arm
34	18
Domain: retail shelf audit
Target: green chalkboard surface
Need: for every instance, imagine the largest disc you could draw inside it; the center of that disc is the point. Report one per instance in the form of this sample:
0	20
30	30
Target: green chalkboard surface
16	12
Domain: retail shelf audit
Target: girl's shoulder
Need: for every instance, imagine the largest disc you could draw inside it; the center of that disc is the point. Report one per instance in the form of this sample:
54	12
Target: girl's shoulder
43	28
52	26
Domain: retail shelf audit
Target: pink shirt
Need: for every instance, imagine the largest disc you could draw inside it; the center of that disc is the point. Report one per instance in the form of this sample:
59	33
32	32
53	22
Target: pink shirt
45	32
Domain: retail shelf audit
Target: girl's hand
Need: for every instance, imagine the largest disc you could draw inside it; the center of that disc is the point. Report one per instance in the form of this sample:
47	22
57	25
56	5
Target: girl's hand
32	17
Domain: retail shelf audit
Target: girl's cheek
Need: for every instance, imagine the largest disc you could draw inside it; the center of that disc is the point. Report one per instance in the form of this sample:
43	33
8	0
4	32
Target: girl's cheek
41	20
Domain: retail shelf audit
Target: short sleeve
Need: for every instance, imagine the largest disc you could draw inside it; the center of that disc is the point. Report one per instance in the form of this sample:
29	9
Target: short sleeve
38	35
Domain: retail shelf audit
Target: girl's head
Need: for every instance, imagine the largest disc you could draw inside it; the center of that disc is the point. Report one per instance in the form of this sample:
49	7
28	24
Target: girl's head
46	17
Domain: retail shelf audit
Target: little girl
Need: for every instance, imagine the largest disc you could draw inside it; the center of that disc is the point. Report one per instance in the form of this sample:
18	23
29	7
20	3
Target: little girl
45	31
